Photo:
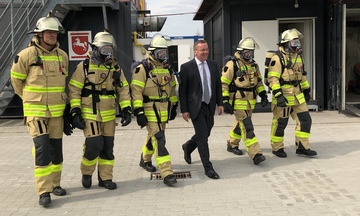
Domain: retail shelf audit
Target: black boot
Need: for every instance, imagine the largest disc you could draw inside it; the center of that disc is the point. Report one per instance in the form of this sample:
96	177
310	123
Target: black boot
170	180
108	184
59	191
280	153
147	165
45	199
235	150
86	181
301	150
258	158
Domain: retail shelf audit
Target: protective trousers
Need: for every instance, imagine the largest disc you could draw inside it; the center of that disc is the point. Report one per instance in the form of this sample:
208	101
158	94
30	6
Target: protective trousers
98	149
47	151
155	143
300	114
243	128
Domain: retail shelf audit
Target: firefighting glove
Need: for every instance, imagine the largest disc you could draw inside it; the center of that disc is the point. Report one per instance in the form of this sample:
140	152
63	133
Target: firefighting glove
126	116
281	101
173	113
264	99
68	129
77	119
307	95
140	117
116	78
227	107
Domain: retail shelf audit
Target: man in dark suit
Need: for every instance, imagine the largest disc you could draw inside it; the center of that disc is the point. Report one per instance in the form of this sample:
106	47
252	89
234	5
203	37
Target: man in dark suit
199	93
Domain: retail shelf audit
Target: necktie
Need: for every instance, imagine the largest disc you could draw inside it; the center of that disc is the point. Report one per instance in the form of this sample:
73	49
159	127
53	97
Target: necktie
206	86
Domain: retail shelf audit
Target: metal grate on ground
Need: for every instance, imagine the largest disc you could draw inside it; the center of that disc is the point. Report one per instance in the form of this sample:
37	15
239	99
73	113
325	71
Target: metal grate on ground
178	175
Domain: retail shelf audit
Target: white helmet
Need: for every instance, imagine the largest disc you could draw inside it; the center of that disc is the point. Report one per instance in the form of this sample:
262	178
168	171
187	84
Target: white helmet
247	43
158	41
290	35
49	23
104	38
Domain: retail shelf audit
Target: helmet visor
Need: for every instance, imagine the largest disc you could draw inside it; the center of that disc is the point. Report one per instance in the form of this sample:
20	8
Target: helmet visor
295	43
248	54
106	50
161	54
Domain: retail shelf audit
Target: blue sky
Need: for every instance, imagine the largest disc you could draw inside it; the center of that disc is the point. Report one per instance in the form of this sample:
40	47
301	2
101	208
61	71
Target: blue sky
177	25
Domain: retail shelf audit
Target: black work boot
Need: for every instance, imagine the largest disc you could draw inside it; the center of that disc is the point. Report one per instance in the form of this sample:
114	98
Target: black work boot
45	199
86	181
258	158
170	180
280	153
147	165
235	150
301	150
59	191
108	184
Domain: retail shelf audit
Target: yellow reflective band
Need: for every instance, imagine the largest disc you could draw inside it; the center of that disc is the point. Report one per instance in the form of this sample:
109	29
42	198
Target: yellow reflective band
56	168
242	104
42	171
57	107
51	58
97	67
138	83
125	83
275	86
107	118
234	135
107	112
276	139
125	103
274	74
160	71
249	142
77	84
18	75
226	81
260	89
34	107
89	116
174	99
137	103
87	162
302	134
225	93
304	85
147	151
106	96
163	159
44	89
105	162
34	113
173	83
75	102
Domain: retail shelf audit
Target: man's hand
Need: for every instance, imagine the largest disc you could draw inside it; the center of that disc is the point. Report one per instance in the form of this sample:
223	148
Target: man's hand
173	113
186	116
126	116
140	117
281	101
264	99
227	107
77	119
68	128
307	95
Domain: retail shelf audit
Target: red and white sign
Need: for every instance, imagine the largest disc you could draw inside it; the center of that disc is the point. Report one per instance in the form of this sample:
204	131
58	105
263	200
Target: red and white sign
79	44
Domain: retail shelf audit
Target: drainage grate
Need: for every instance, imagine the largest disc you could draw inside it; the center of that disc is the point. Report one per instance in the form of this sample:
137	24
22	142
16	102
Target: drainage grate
178	175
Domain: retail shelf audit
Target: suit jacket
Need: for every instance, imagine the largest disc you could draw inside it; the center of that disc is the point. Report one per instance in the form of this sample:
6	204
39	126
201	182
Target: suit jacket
190	88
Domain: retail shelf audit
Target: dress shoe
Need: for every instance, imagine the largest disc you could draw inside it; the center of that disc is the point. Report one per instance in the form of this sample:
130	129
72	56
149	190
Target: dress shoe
280	153
259	158
59	191
306	152
86	181
45	199
212	174
235	150
108	184
170	180
187	155
147	165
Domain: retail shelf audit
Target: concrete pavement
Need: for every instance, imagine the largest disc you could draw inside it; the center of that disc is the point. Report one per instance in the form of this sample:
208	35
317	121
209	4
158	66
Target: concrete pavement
324	185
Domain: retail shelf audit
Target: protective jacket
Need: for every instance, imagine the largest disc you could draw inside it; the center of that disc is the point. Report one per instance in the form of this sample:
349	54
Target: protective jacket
153	90
38	77
291	81
241	86
95	90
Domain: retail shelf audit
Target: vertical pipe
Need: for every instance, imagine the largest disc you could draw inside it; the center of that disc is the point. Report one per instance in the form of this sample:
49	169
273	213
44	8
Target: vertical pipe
12	27
105	17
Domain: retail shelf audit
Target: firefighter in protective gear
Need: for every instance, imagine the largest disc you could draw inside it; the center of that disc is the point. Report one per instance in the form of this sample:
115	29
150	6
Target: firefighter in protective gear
291	92
38	76
155	103
96	88
241	83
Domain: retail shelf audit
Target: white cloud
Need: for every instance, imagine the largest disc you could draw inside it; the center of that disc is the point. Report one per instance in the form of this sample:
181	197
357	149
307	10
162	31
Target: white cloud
177	25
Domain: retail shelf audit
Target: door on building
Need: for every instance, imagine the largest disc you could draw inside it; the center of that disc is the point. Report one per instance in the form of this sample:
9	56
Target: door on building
268	41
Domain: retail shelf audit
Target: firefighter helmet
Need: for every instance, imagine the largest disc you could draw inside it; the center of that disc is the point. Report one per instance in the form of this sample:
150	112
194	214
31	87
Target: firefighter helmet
289	35
247	43
158	41
104	38
49	23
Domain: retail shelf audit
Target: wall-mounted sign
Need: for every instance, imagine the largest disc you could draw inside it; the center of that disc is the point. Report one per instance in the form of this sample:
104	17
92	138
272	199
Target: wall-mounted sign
79	44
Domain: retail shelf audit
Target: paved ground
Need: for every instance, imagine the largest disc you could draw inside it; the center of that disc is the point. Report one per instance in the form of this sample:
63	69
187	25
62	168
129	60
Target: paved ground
325	185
